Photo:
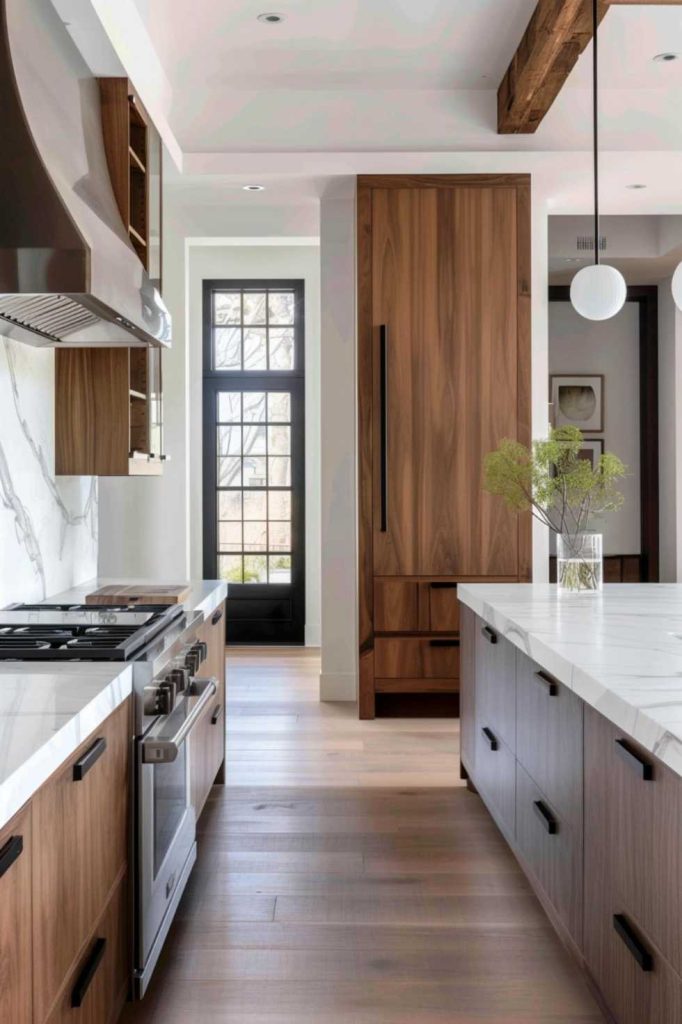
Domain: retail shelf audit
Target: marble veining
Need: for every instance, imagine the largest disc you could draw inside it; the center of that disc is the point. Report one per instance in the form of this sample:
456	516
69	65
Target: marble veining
620	651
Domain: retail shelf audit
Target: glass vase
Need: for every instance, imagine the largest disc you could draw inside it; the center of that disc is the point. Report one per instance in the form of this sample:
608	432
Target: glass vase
580	564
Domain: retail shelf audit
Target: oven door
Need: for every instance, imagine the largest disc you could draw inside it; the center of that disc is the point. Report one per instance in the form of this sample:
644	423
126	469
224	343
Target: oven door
166	824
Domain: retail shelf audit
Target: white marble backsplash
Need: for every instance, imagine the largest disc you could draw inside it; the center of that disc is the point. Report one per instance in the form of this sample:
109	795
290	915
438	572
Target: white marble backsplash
48	524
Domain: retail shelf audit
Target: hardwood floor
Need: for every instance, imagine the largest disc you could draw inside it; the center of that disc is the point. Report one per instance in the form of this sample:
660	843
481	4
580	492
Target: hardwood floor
345	876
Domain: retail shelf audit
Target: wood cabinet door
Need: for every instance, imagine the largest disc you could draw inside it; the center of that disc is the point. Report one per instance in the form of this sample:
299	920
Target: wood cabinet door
444	292
80	851
15	920
495	683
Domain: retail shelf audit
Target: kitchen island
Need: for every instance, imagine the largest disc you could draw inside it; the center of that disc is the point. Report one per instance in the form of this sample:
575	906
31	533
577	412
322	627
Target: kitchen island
571	732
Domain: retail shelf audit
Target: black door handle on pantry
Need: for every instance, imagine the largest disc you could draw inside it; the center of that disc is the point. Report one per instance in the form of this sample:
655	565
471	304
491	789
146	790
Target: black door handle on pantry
84	979
10	852
551	684
383	398
443	643
92	755
217	616
216	714
633	943
546	817
644	768
491	737
489	634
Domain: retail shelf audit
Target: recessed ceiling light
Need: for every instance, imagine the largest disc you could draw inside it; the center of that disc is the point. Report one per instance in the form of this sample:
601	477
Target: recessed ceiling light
572	259
636	186
665	58
271	18
253	188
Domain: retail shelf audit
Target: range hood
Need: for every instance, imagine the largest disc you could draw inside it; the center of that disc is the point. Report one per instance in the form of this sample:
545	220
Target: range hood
68	273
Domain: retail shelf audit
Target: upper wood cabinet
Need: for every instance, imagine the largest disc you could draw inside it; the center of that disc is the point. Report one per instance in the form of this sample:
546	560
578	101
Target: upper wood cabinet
108	412
134	154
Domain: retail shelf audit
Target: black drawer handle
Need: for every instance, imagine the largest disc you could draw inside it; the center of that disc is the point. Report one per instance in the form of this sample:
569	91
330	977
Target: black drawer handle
443	586
217	616
85	977
546	817
489	634
89	758
443	643
551	684
383	426
636	947
491	737
216	714
10	852
644	769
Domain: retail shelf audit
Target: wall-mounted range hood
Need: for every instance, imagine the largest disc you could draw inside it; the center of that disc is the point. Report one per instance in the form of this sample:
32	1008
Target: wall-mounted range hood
68	273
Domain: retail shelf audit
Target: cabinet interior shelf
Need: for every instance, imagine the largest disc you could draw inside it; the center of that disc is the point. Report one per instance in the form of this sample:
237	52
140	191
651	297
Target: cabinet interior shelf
136	162
138	395
136	235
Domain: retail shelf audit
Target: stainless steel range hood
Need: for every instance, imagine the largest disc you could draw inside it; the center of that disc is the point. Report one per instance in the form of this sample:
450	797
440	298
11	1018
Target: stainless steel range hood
68	273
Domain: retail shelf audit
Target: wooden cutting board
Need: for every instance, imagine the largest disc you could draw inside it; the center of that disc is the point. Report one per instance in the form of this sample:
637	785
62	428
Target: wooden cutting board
145	593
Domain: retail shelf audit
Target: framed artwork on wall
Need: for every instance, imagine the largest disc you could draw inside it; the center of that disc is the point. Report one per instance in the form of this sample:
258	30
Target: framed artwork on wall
592	450
578	401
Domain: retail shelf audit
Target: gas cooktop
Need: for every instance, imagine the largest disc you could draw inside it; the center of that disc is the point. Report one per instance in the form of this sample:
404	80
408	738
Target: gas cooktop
61	632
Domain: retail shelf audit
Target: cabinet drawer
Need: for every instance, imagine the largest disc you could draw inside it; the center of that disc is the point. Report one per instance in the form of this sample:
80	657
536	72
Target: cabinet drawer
552	849
633	833
80	846
495	776
415	606
549	737
496	683
637	983
207	751
416	658
15	920
99	980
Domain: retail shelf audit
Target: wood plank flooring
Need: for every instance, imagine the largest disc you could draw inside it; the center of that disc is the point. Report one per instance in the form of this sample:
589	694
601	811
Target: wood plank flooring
345	876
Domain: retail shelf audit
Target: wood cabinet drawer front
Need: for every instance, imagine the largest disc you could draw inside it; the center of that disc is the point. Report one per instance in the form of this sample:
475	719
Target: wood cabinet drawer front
549	737
496	683
15	920
495	777
207	750
99	980
552	848
443	607
633	832
416	658
415	606
80	830
616	951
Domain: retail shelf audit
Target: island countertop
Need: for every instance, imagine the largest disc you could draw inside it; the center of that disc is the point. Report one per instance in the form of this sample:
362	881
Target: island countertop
619	650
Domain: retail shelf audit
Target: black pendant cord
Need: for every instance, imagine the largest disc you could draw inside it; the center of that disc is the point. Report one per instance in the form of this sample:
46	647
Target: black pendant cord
595	123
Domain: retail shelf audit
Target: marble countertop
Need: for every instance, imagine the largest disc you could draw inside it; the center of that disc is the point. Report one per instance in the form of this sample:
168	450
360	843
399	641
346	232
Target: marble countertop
620	651
47	710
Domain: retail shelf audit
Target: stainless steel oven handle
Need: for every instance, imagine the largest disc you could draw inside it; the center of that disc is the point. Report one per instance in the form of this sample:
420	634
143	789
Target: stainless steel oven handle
162	750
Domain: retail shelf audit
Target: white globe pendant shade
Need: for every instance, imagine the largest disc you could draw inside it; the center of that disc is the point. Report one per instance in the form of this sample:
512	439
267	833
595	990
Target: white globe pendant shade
677	286
599	292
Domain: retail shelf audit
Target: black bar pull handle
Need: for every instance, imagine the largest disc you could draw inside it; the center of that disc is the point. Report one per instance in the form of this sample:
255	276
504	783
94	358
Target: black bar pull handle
383	390
545	680
443	643
217	616
84	979
491	737
436	585
10	852
216	714
89	758
489	634
633	942
546	817
644	768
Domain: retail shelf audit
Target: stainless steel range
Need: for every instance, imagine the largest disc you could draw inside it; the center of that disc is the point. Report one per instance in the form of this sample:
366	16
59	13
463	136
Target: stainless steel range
170	697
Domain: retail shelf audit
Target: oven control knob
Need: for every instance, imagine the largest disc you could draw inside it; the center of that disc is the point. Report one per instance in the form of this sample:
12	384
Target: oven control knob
192	661
165	698
179	677
203	650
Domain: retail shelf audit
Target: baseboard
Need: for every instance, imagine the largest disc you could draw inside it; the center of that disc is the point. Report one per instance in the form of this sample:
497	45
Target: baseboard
339	686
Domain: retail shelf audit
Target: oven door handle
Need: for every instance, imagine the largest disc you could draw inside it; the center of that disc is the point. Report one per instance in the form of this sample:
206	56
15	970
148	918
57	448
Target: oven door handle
159	749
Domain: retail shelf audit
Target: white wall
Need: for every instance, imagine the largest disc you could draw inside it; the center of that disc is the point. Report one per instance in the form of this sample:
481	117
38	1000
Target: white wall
609	347
257	262
48	525
670	434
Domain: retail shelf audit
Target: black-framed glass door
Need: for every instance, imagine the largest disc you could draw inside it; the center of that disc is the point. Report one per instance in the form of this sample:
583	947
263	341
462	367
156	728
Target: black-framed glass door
254	451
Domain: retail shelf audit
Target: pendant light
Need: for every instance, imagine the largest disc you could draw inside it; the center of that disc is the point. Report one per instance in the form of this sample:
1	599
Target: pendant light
677	286
597	292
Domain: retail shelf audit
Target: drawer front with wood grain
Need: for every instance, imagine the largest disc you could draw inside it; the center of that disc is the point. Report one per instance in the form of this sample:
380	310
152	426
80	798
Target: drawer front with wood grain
15	921
551	847
415	606
496	683
80	848
416	658
633	833
495	776
549	737
97	987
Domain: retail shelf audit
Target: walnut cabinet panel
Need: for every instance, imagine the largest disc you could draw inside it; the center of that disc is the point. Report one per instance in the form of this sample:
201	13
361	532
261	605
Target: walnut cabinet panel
16	944
444	364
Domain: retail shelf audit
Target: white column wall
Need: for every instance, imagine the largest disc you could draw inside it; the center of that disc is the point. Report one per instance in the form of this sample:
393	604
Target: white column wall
670	434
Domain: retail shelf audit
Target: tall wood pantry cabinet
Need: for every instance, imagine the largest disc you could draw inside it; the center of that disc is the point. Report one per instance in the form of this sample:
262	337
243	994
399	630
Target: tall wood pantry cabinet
444	376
